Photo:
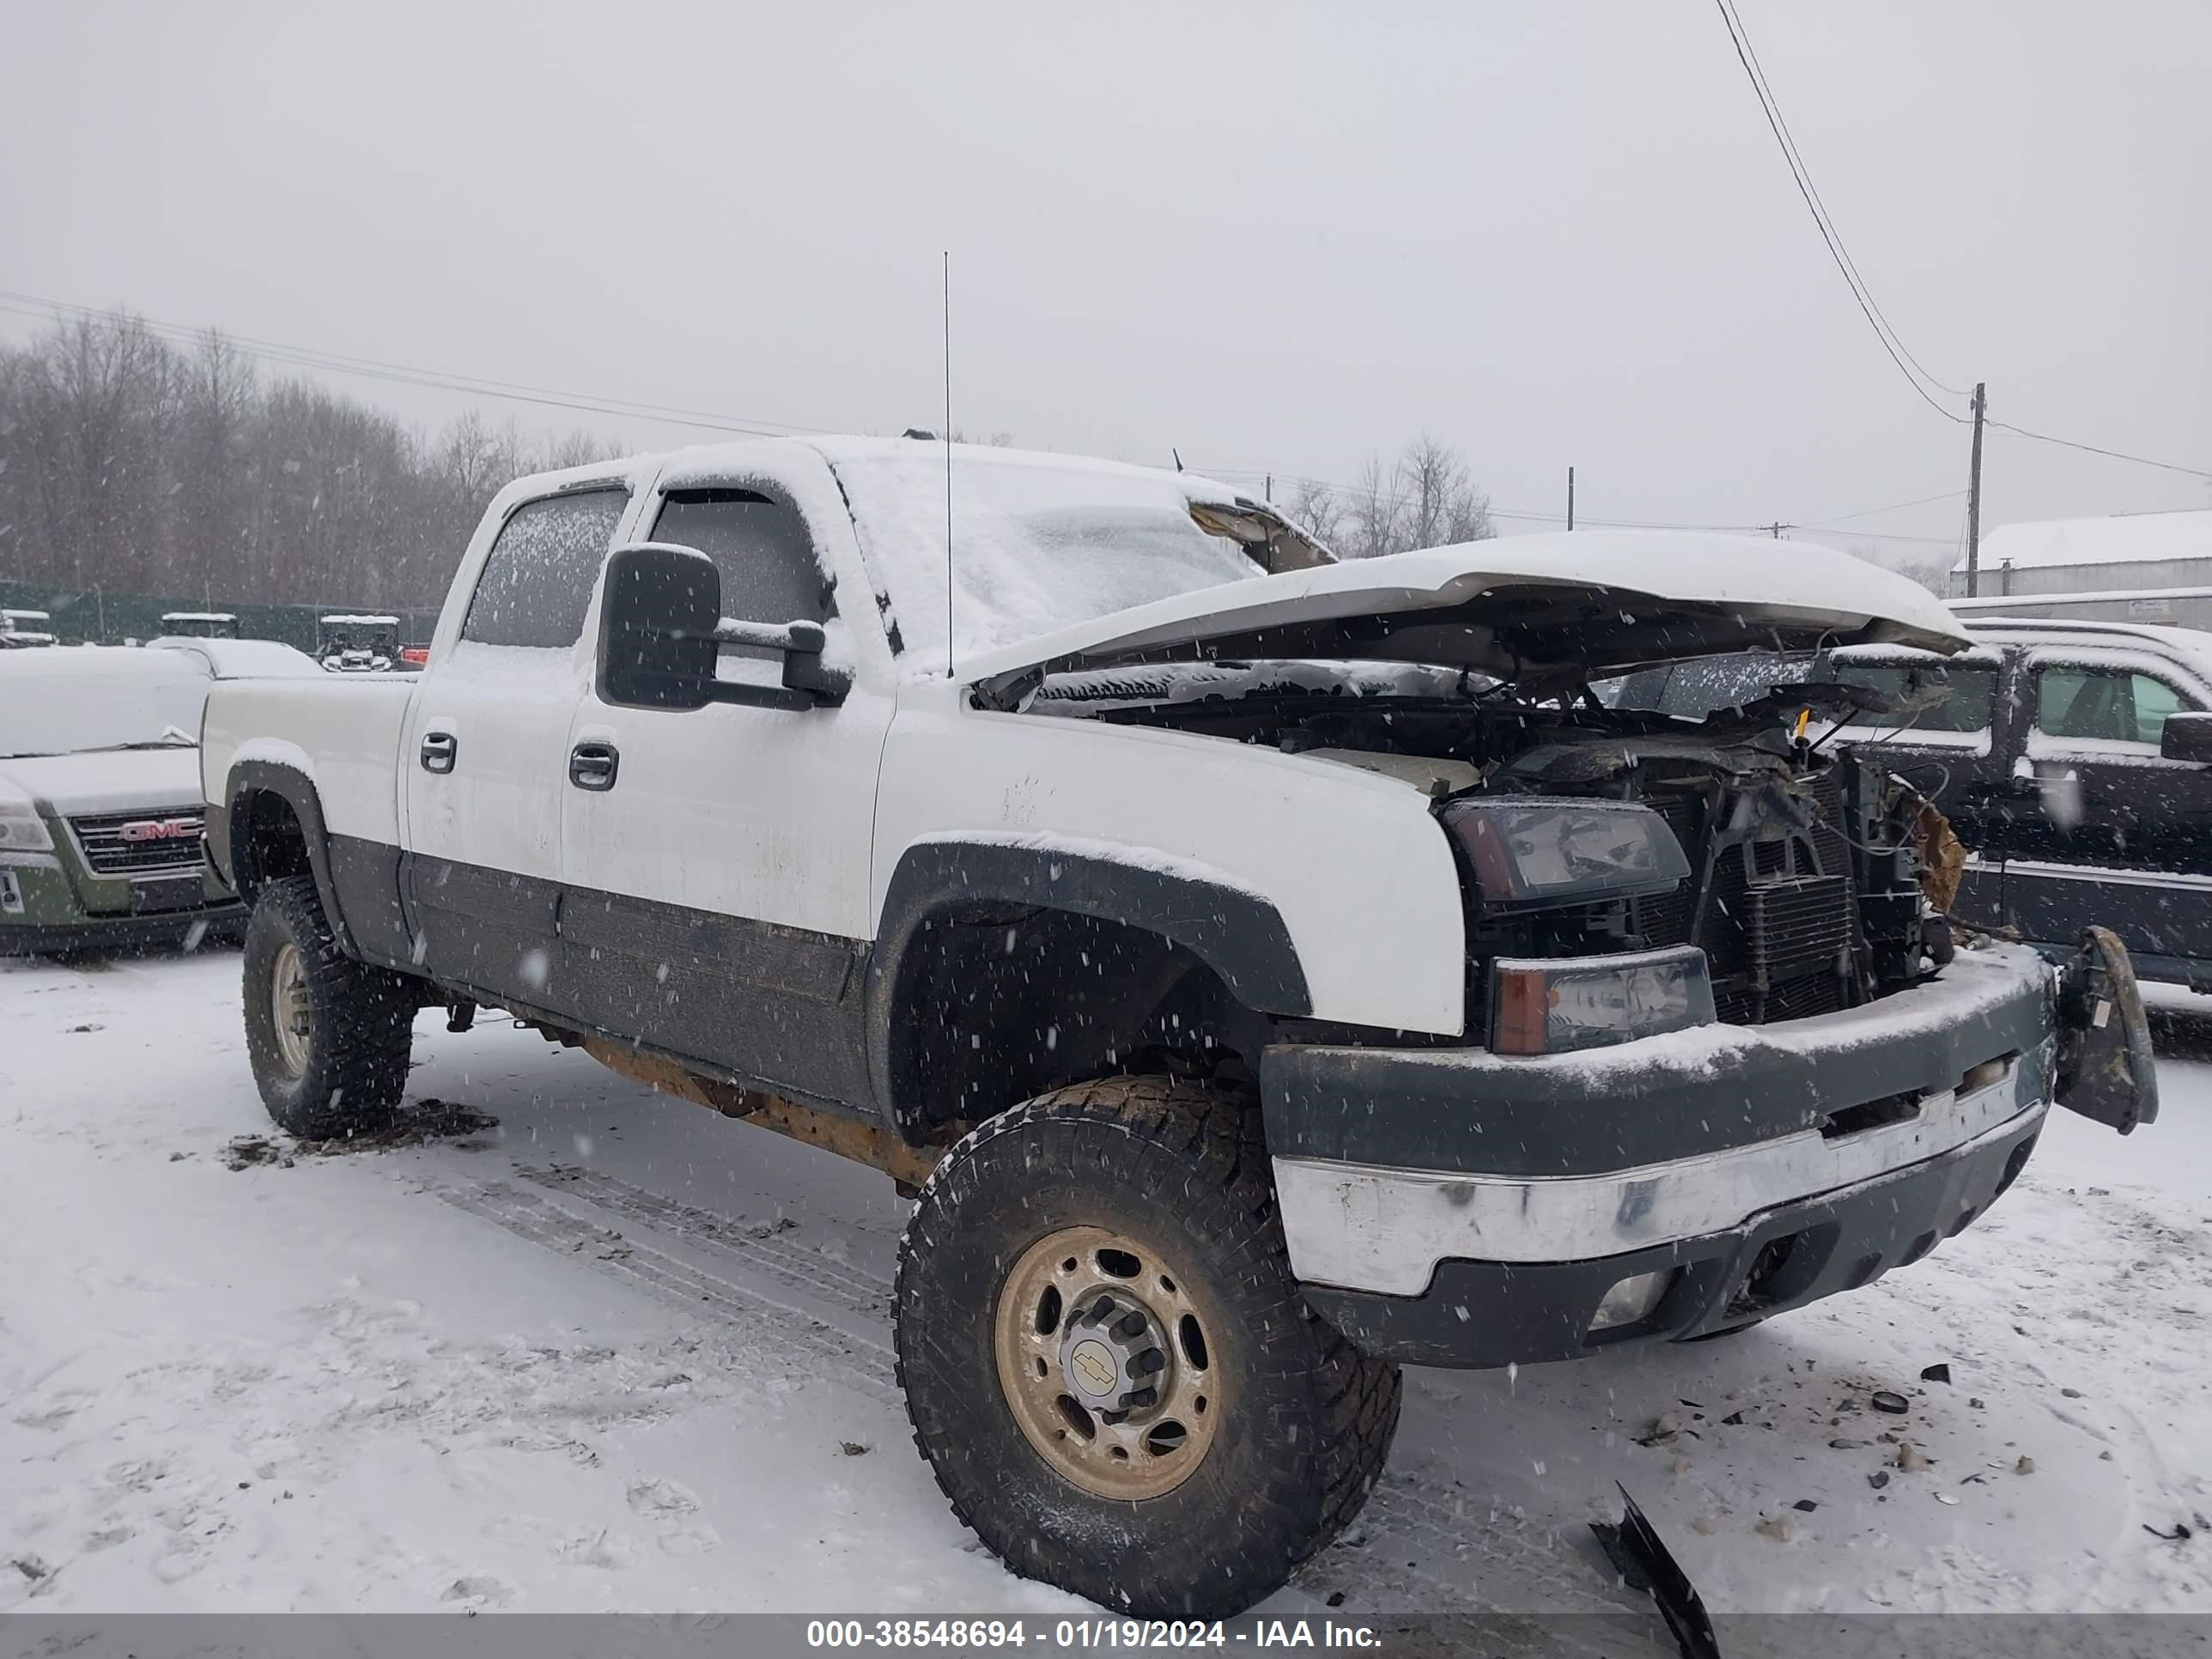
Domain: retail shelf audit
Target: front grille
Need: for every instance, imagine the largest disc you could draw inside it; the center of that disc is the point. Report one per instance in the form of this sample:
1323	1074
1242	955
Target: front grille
149	841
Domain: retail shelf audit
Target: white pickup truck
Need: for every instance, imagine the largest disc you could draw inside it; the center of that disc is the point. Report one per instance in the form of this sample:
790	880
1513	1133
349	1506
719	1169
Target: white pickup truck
1262	970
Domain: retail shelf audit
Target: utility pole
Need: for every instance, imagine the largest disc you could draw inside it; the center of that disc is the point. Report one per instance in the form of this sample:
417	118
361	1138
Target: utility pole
1775	530
1974	499
1571	498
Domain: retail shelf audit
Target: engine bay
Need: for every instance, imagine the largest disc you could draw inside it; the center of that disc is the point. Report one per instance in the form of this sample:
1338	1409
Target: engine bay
1804	886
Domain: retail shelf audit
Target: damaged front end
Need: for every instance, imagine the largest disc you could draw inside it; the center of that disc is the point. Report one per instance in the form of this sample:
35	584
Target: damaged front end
2105	1070
1800	873
1792	882
1627	872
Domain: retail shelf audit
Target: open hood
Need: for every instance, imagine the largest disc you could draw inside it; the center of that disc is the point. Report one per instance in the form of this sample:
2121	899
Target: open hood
1562	606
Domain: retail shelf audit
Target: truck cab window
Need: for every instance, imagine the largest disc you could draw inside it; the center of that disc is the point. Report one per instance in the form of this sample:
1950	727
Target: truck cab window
537	582
762	550
2104	705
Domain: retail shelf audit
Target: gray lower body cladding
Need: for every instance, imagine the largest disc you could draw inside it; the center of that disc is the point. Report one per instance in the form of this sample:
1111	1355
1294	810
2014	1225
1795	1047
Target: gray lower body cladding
1457	1207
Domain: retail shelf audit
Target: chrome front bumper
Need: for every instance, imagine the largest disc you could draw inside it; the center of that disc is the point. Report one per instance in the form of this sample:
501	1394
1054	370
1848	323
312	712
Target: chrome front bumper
1508	1163
1360	1228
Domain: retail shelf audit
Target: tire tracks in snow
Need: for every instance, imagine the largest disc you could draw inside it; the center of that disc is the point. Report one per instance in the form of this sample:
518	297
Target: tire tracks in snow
761	1247
763	1328
1452	1562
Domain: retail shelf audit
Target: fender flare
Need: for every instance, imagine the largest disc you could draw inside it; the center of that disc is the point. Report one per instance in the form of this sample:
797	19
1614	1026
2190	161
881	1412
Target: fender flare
1238	935
297	790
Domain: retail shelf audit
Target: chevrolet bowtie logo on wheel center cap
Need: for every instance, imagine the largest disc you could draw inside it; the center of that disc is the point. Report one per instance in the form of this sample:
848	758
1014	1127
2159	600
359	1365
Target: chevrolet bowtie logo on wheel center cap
1093	1365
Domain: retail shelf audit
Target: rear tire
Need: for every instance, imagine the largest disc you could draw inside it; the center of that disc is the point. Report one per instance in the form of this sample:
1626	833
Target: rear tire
328	1036
1176	1455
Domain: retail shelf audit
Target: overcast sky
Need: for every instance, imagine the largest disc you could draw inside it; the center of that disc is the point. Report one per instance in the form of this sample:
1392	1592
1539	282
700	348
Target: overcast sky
1267	236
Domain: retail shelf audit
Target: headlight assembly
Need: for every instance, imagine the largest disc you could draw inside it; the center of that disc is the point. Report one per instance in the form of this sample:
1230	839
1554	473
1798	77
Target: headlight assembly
21	829
1528	852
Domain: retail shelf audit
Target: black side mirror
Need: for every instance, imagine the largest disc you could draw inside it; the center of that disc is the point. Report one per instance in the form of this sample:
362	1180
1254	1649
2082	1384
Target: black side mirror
660	633
2187	737
657	628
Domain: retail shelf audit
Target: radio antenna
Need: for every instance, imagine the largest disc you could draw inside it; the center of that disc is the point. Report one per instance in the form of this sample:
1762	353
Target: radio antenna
948	463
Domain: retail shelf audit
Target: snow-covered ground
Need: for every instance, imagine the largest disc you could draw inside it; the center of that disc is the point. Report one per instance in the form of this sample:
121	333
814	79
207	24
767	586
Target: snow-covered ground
617	1353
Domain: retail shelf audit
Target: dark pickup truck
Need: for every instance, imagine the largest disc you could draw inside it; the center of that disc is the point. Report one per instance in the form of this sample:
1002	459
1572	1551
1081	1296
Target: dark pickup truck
2073	759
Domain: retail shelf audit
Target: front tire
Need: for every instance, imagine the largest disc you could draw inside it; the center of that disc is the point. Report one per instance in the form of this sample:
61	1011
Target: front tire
328	1038
1108	1364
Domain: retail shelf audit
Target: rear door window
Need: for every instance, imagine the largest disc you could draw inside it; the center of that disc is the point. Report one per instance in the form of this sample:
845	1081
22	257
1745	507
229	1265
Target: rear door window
537	583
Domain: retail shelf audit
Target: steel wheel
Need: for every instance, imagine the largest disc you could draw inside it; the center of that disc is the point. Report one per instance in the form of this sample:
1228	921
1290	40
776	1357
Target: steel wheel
287	1002
1103	1356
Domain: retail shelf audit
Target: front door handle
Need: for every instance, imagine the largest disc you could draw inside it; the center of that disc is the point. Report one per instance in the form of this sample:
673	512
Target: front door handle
440	750
592	766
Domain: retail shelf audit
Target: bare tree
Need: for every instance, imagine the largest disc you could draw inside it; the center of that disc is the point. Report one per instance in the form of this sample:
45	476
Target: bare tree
212	459
1442	506
1426	498
1314	508
130	466
1374	520
577	449
84	448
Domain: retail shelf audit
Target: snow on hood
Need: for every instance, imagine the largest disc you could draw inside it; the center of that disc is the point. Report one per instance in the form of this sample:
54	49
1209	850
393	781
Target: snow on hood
1590	601
116	781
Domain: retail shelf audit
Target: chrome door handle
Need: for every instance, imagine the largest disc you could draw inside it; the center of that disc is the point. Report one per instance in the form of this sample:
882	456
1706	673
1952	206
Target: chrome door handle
440	750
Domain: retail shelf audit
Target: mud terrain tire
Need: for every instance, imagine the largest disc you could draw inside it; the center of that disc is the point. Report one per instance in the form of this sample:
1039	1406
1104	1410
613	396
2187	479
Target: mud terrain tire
341	1066
1301	1419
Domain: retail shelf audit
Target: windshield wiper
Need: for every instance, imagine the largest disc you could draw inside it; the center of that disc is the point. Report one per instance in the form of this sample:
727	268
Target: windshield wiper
171	739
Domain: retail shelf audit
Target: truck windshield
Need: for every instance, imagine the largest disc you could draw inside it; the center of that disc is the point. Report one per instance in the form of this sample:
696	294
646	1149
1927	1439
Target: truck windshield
1704	685
1036	547
70	711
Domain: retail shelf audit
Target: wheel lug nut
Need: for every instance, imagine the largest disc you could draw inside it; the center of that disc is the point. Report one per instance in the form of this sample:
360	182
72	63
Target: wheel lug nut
1131	1324
1148	1362
1137	1398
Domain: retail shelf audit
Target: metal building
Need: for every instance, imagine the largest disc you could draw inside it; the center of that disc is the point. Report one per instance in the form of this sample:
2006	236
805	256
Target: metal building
2134	567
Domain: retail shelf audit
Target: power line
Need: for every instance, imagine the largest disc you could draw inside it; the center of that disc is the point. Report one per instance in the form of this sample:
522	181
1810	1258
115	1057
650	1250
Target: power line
1828	235
374	368
2069	443
313	357
1910	366
38	306
1874	511
1820	203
